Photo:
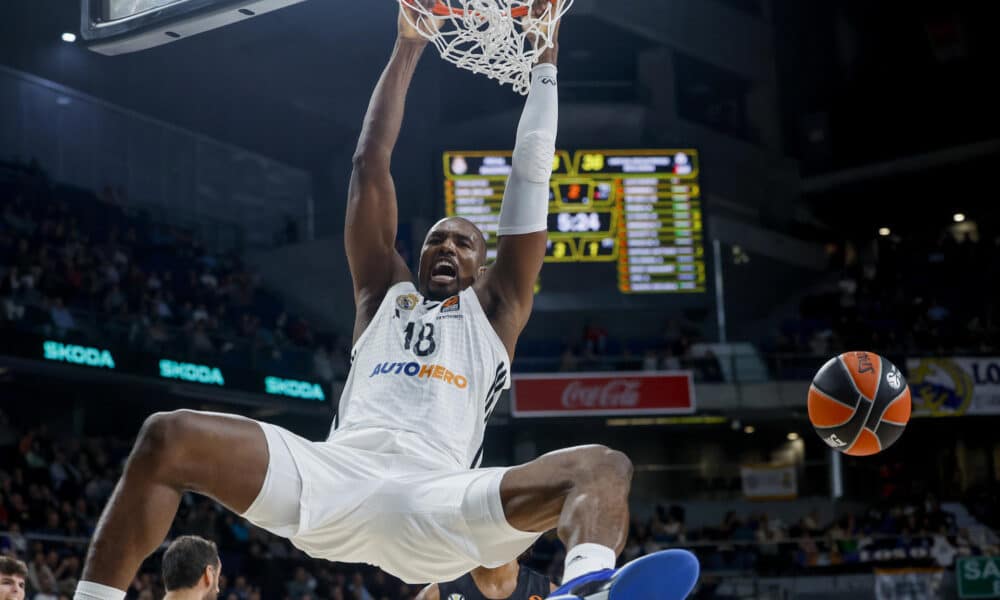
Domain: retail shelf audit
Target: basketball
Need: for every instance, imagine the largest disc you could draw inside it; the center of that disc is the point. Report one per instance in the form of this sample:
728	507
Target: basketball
859	403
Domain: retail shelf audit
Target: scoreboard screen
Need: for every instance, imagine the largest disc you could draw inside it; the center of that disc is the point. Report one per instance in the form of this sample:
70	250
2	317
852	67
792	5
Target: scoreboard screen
638	209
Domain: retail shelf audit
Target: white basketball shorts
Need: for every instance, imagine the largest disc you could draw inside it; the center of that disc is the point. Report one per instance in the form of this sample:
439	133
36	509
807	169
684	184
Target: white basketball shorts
364	497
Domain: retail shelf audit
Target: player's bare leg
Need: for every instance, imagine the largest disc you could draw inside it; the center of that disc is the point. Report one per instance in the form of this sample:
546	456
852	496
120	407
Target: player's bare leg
582	492
220	456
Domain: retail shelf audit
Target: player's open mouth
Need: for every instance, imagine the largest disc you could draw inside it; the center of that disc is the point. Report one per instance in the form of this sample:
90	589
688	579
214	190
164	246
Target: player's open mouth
444	271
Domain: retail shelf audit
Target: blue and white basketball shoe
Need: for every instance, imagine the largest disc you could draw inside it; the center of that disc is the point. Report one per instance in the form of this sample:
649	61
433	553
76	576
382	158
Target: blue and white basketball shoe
665	575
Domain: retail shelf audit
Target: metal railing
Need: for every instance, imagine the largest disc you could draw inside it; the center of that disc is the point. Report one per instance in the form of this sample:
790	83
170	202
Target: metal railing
739	368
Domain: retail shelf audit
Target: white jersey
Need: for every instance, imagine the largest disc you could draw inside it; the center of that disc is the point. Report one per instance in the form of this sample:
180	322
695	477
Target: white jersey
435	369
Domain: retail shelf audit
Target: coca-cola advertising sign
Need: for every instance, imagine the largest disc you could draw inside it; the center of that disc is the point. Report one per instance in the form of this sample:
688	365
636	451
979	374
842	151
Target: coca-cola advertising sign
602	394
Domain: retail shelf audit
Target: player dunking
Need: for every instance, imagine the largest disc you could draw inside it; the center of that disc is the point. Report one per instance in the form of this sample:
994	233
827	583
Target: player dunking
508	582
396	484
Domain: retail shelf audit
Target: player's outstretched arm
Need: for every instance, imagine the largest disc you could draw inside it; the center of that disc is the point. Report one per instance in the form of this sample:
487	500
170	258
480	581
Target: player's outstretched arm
508	287
430	592
370	227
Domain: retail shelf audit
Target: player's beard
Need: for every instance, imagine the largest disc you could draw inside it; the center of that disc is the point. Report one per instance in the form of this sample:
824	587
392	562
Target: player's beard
438	295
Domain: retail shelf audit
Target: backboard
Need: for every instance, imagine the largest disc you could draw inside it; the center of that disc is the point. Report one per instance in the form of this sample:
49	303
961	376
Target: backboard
121	26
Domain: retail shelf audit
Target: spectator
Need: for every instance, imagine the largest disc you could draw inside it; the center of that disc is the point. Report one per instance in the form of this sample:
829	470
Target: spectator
595	339
15	540
43	581
10	293
61	318
114	300
569	360
13	578
201	344
302	585
61	472
191	569
322	363
358	589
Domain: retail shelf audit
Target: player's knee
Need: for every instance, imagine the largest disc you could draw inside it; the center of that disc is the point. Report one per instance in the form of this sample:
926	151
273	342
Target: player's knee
616	465
161	439
602	464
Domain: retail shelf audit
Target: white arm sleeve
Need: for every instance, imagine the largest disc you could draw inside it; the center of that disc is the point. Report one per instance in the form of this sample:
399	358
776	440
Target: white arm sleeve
525	206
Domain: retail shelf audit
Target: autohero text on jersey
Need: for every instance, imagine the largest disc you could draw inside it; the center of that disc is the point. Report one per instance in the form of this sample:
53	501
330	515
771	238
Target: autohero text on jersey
414	369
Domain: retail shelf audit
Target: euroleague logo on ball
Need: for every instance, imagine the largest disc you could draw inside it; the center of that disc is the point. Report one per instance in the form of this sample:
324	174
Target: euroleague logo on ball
894	379
835	442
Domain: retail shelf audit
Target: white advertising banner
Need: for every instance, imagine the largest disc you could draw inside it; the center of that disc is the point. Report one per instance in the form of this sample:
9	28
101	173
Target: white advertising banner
952	387
769	482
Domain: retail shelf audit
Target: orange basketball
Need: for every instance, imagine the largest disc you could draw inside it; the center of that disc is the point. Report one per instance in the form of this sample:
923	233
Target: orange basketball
859	403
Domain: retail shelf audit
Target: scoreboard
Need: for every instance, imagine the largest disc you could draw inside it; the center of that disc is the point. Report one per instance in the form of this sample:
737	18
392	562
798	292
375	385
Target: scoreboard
637	209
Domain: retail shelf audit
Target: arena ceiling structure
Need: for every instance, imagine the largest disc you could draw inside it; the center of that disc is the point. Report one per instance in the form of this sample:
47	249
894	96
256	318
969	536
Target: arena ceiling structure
864	87
291	84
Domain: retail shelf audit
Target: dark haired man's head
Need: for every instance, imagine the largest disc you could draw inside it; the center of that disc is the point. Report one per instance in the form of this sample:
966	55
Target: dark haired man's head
192	563
13	573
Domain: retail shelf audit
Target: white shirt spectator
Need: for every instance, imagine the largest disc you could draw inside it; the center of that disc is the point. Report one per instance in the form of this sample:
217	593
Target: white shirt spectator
942	551
199	314
321	364
670	362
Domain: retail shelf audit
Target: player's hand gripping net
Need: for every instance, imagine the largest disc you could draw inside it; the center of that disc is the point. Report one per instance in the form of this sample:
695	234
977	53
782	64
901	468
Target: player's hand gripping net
501	39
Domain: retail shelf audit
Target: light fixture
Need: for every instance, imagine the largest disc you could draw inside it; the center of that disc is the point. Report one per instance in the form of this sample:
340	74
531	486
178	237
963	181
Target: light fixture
792	436
69	38
884	231
749	429
958	217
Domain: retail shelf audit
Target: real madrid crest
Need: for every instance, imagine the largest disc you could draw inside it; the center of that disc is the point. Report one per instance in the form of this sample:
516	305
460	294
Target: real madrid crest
407	301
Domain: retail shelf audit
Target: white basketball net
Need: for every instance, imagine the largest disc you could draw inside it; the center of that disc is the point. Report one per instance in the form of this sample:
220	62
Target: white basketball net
488	36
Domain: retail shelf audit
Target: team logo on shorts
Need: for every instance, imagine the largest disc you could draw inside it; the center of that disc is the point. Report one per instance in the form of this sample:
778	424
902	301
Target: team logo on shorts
407	301
456	597
450	305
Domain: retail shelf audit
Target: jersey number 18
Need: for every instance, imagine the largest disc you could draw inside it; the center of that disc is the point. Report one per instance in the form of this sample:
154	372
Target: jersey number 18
425	339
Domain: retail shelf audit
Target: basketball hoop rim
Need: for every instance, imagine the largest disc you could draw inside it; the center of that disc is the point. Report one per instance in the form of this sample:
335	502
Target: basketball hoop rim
443	10
488	37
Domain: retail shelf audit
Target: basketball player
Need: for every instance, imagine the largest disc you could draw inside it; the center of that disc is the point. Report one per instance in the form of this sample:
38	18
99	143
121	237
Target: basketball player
13	572
508	582
396	485
191	569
